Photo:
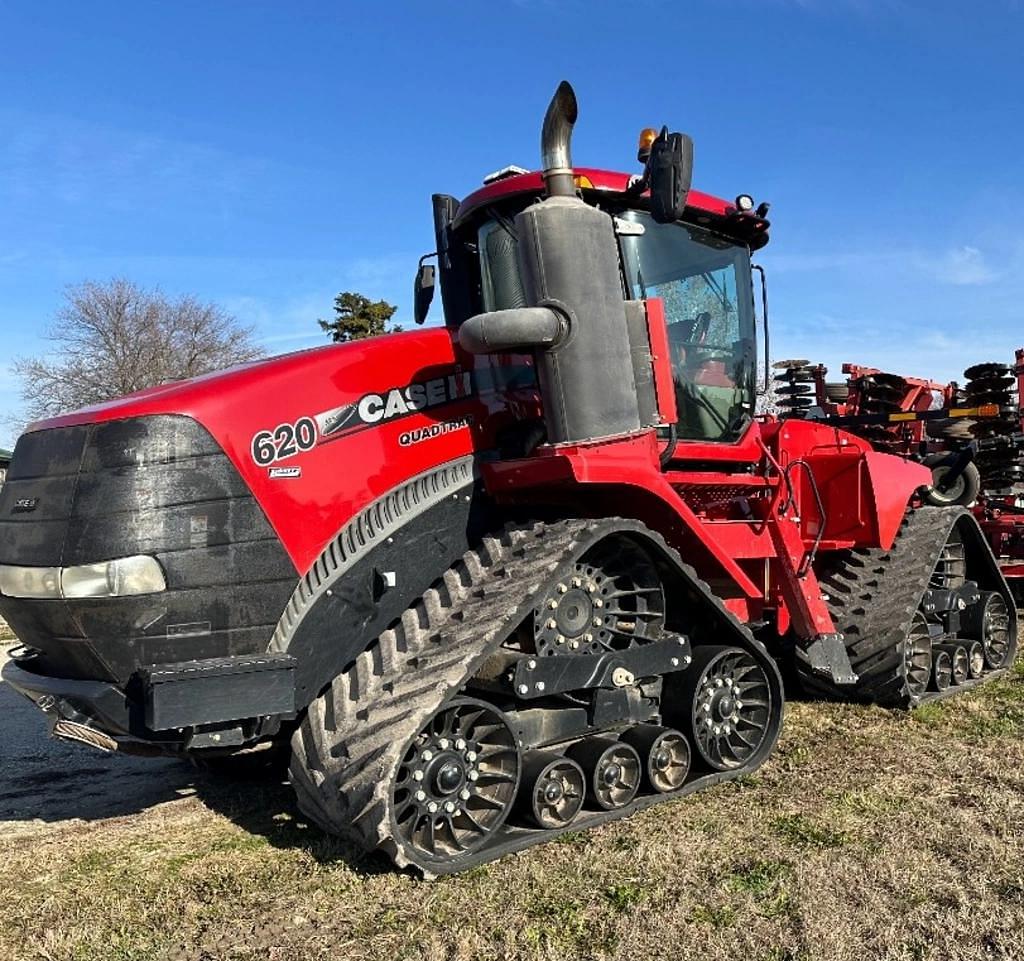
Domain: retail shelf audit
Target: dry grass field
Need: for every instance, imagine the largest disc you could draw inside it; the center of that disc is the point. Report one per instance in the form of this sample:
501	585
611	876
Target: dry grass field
869	834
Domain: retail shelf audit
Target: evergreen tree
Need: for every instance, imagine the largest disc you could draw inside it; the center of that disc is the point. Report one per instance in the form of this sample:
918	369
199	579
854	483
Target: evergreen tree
356	317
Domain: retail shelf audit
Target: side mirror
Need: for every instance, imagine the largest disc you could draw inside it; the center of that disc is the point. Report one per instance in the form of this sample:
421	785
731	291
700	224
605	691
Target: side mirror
423	291
669	172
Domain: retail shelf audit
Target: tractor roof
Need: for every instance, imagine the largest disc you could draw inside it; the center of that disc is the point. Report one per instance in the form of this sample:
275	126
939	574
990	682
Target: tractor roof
702	209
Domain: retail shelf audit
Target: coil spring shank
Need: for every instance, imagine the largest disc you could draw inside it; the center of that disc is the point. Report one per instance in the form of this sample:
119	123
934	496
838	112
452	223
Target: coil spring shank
794	385
998	455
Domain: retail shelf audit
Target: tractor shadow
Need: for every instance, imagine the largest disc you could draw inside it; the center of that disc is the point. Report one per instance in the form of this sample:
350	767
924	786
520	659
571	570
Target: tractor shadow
263	804
44	782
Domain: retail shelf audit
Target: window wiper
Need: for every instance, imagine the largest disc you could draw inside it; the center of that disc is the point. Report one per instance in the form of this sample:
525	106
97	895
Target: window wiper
717	289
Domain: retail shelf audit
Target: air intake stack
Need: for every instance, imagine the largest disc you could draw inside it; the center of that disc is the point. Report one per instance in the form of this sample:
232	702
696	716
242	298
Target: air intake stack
575	320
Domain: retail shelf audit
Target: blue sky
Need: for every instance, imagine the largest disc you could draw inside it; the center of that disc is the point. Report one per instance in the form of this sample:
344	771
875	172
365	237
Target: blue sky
267	155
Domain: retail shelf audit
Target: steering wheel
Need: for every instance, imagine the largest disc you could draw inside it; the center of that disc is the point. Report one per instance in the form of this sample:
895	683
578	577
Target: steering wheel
697	348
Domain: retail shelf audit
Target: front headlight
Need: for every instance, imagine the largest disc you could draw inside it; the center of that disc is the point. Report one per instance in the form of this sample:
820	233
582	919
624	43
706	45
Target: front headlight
117	578
121	577
29	581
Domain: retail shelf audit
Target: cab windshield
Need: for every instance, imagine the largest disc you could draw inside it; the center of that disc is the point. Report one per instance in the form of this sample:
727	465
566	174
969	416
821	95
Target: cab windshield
704	281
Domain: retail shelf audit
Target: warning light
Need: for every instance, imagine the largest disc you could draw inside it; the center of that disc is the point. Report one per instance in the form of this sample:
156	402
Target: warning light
988	410
583	182
647	137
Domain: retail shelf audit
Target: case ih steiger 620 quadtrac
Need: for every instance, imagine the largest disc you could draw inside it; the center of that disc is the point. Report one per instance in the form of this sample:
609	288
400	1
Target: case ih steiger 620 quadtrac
521	574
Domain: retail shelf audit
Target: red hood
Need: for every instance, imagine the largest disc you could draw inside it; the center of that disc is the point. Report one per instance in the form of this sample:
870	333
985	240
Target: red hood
197	396
328	483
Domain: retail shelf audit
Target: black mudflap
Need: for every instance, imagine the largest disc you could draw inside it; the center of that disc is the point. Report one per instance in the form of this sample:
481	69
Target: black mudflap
354	736
874	595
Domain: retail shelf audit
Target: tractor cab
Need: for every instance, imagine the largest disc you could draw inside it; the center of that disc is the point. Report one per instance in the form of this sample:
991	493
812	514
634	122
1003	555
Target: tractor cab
698	266
704	281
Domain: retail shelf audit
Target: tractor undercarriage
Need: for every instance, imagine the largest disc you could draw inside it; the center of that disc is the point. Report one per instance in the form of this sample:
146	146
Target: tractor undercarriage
538	687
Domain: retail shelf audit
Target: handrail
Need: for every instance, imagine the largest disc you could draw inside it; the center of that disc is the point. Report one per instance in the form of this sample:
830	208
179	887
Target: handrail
805	564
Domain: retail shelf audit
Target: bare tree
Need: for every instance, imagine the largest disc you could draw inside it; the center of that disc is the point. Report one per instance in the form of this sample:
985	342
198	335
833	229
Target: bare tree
767	400
114	338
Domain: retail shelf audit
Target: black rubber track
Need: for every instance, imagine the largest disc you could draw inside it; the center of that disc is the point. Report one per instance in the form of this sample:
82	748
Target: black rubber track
873	594
356	732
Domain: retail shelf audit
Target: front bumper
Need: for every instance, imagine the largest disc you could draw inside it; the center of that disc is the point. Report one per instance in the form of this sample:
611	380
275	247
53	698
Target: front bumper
220	702
94	703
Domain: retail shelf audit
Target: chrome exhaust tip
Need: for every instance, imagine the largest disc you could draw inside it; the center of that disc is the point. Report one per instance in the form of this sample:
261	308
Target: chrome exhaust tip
555	141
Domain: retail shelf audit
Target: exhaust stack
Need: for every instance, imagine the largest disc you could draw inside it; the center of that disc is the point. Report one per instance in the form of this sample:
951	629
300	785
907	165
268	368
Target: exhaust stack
555	139
575	318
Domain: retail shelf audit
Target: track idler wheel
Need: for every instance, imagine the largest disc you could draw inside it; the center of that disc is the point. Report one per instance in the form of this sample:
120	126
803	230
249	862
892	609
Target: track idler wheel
730	705
975	659
988	621
612	600
553	789
917	657
612	769
457	781
959	661
942	670
665	753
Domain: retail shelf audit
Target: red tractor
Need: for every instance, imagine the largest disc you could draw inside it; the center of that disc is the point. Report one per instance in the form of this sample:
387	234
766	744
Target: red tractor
517	575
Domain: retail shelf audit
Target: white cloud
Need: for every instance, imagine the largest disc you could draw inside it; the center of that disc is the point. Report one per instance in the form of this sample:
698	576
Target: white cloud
964	266
961	266
894	344
98	166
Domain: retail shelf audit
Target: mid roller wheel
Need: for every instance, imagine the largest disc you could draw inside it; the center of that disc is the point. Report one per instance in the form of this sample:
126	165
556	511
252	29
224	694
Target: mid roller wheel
975	659
942	671
612	769
456	783
959	662
665	753
553	790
